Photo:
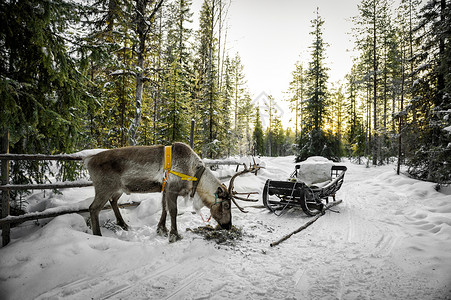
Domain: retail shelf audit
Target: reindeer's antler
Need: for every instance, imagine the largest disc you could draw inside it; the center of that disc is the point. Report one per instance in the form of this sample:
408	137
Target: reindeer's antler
239	207
233	194
246	170
245	199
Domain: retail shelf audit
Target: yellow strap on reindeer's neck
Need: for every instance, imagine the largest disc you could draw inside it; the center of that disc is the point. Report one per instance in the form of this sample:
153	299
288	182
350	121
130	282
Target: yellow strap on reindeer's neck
168	165
183	176
167	157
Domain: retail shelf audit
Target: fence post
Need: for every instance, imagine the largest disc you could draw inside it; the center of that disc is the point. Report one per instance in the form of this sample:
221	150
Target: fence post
191	136
6	228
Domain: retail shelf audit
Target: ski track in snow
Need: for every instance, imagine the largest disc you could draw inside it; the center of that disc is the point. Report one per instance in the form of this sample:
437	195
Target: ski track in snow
386	242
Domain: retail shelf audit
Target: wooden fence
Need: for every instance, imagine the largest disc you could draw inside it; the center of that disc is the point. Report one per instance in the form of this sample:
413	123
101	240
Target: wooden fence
5	188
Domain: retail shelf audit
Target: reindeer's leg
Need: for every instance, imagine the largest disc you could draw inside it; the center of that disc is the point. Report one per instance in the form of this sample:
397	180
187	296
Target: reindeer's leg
117	213
161	229
96	206
171	201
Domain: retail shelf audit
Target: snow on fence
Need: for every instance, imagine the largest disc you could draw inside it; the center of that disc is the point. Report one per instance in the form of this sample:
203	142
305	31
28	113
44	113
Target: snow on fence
6	220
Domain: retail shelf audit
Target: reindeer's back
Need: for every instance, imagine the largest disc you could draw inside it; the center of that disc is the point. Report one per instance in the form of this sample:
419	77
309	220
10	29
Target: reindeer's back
116	163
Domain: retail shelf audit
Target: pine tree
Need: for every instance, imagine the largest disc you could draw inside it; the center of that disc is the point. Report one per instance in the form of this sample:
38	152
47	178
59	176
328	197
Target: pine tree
175	115
239	105
207	94
406	21
247	113
41	90
142	19
271	111
432	160
225	121
372	22
338	118
316	109
355	133
314	139
277	137
258	137
126	28
297	91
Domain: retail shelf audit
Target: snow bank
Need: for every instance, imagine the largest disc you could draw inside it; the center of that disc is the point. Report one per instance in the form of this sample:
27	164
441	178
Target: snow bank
315	169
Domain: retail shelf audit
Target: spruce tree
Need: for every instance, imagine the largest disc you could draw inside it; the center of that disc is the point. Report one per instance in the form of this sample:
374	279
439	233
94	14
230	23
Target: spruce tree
225	116
271	111
338	105
355	133
258	137
432	160
317	102
175	115
406	20
240	105
314	139
247	117
41	90
297	94
207	93
371	26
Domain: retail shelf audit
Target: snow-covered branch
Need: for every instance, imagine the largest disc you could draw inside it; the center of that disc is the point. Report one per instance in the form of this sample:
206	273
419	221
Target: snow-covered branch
123	73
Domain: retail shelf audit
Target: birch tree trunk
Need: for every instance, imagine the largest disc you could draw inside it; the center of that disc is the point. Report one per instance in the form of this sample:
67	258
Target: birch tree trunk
142	29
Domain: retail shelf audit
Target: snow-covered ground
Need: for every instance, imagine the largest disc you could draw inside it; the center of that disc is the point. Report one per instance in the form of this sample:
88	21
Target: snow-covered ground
390	240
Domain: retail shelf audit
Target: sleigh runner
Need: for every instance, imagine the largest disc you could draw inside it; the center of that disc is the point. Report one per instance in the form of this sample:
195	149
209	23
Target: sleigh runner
297	191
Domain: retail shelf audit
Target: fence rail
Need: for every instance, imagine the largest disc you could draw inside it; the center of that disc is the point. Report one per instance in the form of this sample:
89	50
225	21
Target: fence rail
45	186
7	156
55	213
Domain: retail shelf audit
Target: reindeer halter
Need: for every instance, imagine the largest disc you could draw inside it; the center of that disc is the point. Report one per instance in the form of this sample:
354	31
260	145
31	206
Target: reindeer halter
167	170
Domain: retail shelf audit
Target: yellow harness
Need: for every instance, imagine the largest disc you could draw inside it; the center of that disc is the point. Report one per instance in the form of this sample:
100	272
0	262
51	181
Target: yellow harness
167	168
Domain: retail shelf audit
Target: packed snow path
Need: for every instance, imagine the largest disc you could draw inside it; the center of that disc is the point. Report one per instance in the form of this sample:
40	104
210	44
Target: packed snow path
390	240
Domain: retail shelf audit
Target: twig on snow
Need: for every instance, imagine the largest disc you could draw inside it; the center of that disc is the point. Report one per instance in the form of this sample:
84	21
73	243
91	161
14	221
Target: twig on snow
313	220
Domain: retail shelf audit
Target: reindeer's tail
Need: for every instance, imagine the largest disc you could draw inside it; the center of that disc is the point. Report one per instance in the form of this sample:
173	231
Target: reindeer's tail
86	155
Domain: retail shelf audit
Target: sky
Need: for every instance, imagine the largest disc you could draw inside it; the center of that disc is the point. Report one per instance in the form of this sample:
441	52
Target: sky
272	35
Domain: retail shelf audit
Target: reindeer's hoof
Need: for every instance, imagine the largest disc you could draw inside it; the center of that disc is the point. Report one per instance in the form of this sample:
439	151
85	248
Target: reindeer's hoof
162	231
174	237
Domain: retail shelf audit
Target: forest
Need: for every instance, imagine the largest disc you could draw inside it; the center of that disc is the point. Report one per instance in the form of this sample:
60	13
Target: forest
80	75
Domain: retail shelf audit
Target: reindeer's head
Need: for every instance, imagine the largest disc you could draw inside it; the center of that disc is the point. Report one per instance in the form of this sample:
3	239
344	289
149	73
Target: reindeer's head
221	209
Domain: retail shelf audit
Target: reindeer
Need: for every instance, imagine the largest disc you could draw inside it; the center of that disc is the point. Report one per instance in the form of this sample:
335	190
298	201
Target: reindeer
141	170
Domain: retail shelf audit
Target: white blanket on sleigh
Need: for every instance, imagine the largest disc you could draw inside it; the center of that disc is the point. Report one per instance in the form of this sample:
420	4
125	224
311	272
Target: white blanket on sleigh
314	170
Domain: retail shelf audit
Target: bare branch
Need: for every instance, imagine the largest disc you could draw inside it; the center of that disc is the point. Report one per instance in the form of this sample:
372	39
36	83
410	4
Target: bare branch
152	16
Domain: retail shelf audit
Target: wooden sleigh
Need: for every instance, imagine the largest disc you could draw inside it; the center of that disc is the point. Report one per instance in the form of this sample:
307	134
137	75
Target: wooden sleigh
313	199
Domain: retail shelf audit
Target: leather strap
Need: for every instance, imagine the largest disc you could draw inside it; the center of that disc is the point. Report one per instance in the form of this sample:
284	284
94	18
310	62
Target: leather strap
200	170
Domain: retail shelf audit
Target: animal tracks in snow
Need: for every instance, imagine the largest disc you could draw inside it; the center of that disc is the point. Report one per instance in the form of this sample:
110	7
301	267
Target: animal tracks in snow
102	285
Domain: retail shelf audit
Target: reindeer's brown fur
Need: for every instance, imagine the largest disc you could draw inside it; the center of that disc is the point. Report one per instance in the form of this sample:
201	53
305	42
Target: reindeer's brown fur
140	170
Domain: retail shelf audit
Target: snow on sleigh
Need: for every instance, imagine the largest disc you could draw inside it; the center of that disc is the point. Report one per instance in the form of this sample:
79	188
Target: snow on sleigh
309	187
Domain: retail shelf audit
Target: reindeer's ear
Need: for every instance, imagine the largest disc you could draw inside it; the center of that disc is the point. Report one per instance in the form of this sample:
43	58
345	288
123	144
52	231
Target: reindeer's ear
221	192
